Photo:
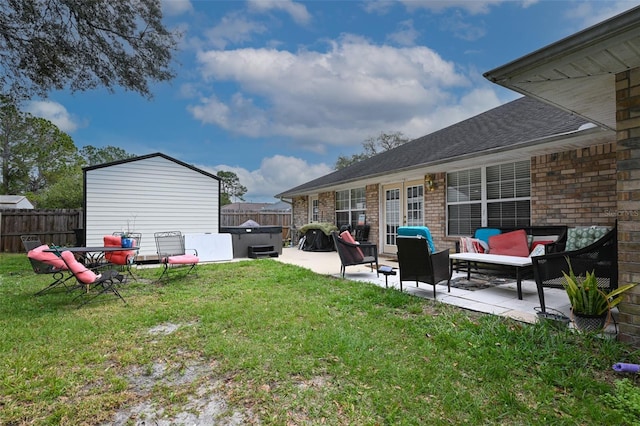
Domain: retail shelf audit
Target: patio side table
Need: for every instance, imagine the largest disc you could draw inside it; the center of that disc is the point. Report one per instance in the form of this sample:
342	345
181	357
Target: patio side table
386	271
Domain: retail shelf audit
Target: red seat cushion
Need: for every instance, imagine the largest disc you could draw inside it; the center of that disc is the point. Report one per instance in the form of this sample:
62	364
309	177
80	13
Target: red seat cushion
184	259
116	257
81	272
46	257
512	243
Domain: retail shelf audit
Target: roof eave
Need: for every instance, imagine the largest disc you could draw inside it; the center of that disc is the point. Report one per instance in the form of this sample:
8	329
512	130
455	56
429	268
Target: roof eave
579	41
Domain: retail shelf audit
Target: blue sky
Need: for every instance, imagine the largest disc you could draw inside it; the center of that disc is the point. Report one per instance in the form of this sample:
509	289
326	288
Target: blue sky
276	90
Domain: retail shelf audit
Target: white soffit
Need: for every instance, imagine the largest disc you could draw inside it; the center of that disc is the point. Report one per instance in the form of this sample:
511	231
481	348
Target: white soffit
577	74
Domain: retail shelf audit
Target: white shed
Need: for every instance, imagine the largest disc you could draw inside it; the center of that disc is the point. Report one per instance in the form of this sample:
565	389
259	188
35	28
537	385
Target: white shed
149	194
15	202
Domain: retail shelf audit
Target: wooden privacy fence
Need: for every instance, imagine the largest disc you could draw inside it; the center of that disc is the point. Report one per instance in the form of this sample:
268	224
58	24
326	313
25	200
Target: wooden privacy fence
52	226
59	226
238	217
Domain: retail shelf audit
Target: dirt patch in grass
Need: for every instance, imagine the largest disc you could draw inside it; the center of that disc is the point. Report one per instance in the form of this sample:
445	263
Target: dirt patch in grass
203	407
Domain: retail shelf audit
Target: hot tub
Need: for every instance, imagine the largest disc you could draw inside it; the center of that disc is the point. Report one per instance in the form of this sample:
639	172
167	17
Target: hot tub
244	236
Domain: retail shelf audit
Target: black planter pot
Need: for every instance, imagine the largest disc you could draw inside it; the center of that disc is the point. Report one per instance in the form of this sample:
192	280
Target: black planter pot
593	323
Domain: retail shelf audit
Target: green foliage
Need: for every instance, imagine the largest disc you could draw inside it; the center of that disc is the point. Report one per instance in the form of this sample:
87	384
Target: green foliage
65	193
373	146
587	298
230	187
34	153
625	400
57	44
105	154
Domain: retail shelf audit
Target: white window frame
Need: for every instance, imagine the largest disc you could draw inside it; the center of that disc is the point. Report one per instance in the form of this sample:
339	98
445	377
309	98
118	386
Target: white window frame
351	203
314	209
512	191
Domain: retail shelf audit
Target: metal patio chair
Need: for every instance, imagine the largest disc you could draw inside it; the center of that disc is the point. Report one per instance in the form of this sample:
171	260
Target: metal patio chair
171	252
93	283
46	263
125	258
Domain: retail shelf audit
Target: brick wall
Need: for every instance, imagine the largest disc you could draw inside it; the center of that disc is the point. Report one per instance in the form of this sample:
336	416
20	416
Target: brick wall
327	206
628	206
300	208
574	188
373	211
435	208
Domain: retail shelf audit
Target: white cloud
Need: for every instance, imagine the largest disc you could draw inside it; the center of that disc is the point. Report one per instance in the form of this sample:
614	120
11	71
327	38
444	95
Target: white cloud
591	13
176	7
233	29
337	97
276	174
297	11
406	35
54	112
474	7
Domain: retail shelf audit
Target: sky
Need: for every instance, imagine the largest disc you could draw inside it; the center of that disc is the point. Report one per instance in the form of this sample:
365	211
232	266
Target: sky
275	91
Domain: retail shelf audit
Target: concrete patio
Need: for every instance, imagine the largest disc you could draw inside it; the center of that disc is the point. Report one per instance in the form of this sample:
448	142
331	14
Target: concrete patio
497	300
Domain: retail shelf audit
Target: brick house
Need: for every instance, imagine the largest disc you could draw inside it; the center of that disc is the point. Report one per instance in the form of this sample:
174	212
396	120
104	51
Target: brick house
522	163
567	153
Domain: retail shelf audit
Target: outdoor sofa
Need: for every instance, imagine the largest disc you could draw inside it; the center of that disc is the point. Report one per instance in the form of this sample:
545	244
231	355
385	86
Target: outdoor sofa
507	250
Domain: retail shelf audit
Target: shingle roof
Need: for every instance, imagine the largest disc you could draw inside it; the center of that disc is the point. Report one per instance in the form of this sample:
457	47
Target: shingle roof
513	123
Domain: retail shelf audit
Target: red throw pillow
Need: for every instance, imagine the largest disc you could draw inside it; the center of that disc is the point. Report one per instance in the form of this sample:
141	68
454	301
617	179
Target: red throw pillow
512	243
346	235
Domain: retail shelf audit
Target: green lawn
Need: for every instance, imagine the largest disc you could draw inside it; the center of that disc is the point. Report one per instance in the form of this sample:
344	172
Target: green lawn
263	342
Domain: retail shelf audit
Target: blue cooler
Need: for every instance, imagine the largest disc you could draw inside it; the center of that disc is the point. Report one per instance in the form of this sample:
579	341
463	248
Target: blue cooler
414	231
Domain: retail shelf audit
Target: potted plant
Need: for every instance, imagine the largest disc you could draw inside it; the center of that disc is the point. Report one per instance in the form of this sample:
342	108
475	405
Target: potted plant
590	305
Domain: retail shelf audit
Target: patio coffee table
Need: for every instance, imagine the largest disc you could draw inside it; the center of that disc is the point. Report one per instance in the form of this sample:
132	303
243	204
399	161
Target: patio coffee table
518	262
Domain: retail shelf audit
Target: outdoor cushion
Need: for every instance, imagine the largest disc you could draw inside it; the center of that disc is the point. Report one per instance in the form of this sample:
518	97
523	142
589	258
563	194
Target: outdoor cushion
81	272
347	237
512	243
473	245
540	243
414	231
183	259
582	236
116	257
538	250
484	233
46	257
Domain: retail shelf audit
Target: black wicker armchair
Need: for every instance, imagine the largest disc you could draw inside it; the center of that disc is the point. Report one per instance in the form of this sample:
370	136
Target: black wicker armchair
418	264
600	257
355	254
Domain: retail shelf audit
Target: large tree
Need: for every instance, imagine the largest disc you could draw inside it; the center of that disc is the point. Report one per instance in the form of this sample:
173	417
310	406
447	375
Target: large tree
106	154
34	152
65	190
82	44
373	146
230	187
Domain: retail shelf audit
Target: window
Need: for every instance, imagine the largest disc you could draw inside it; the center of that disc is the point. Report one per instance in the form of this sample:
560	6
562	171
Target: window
497	196
415	203
315	210
350	204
